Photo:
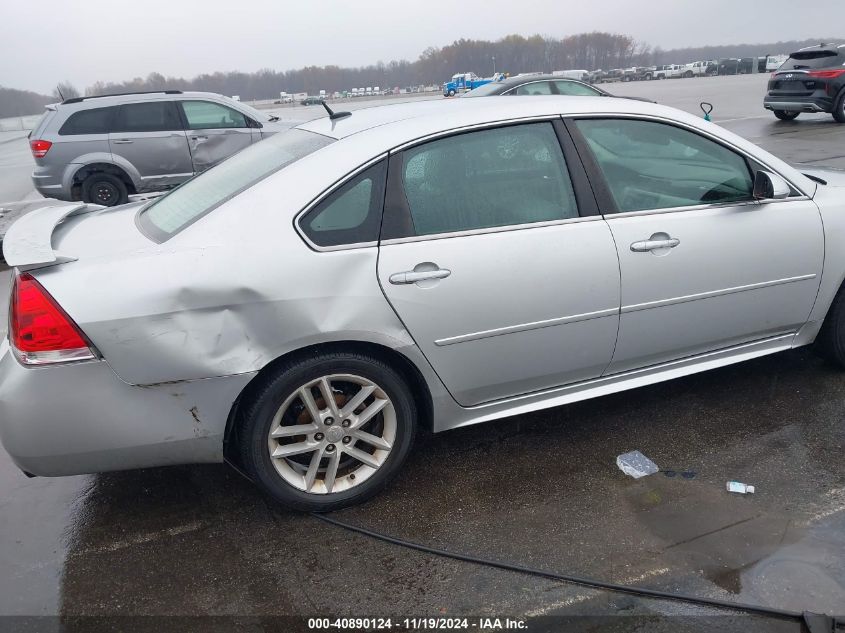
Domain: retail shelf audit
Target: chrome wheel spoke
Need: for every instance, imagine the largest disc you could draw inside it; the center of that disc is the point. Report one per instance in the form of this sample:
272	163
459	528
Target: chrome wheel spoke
372	440
295	429
368	413
288	450
313	467
357	400
331	471
361	456
328	396
308	400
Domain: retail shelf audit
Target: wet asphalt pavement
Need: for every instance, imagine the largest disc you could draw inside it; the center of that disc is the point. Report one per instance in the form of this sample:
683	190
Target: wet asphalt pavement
539	490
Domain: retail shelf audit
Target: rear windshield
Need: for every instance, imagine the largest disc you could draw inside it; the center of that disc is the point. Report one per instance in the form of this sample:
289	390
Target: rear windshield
205	192
812	59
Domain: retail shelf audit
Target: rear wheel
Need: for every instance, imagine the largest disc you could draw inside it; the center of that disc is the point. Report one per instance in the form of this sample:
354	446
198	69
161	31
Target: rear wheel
839	107
328	432
786	116
830	343
104	189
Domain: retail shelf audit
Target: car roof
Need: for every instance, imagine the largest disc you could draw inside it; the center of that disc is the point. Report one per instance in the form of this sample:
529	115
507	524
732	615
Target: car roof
524	79
412	120
101	101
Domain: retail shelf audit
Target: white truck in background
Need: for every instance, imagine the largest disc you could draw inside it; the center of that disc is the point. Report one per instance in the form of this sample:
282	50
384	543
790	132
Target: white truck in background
697	69
668	71
285	97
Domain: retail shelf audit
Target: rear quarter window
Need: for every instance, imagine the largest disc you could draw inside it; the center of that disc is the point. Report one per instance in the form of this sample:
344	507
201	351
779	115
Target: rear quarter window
92	121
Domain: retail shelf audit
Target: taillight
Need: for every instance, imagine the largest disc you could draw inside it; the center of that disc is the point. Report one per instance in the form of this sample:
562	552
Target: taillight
40	148
39	330
826	74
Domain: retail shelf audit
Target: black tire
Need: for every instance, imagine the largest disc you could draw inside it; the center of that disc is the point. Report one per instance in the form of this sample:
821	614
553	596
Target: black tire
830	342
451	93
104	189
839	107
786	116
688	74
264	401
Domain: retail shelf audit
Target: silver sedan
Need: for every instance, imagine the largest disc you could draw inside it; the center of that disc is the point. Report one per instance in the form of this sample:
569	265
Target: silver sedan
302	309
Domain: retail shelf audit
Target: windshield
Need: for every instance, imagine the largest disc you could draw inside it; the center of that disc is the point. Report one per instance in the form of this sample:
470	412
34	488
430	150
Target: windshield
812	59
484	91
204	193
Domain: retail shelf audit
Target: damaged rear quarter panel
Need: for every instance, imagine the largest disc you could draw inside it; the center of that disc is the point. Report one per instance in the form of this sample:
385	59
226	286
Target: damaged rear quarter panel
229	294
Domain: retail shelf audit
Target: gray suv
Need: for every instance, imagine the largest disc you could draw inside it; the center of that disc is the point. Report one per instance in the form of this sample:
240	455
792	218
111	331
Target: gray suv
102	149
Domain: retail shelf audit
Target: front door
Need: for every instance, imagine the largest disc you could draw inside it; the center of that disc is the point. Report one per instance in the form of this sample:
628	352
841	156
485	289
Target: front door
148	139
215	132
704	265
502	284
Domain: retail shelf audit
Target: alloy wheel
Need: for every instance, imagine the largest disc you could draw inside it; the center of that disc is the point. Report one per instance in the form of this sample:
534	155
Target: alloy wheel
332	433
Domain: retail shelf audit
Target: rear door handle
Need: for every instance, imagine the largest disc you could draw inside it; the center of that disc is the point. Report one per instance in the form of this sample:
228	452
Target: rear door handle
199	138
122	141
412	277
652	245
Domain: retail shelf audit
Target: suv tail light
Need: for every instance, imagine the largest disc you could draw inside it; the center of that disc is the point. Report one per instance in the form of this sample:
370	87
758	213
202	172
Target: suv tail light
40	148
39	330
826	74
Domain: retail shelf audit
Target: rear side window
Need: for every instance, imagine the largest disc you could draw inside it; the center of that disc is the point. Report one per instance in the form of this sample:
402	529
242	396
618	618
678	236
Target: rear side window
575	88
205	115
535	88
204	193
504	176
93	121
153	116
350	215
813	59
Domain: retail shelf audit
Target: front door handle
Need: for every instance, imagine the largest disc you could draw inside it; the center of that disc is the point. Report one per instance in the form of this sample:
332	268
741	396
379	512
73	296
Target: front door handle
199	138
412	277
652	245
122	141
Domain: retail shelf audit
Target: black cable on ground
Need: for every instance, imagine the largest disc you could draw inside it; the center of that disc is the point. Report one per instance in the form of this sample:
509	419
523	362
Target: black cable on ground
809	619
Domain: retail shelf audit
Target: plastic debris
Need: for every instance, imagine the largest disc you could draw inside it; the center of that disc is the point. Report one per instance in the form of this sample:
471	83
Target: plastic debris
636	465
735	486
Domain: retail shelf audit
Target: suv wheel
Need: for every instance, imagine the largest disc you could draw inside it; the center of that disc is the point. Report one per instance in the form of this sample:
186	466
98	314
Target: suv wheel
839	107
786	116
327	432
104	189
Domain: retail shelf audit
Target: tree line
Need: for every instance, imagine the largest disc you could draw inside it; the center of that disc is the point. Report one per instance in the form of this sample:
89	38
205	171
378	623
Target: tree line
513	54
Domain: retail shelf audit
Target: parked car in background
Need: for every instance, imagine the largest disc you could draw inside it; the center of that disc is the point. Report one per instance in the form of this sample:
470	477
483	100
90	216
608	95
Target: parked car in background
102	149
699	69
522	85
297	312
810	80
312	100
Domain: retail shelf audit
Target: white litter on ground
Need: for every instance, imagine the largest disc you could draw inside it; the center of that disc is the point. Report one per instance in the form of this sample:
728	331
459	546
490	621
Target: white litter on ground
636	465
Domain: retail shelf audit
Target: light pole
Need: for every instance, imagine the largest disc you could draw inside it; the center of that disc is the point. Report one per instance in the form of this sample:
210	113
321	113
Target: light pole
494	65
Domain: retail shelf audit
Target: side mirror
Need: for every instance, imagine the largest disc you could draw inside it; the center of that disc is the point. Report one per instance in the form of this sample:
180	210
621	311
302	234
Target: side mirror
769	186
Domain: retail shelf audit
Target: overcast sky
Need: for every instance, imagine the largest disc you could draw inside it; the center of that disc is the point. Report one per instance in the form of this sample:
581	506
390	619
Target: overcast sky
46	41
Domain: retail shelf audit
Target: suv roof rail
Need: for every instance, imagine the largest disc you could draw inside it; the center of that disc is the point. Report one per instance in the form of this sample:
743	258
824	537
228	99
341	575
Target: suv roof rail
122	94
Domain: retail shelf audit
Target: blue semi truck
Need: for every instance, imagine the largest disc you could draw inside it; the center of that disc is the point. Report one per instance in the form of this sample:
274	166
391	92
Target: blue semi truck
463	82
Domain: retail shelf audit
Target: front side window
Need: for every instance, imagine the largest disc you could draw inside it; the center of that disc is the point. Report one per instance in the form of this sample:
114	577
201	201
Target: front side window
205	115
204	193
536	88
153	116
93	121
576	89
504	176
350	215
649	165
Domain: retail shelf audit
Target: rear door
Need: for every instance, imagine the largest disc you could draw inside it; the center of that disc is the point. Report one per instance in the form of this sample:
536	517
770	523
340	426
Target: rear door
148	140
216	131
493	257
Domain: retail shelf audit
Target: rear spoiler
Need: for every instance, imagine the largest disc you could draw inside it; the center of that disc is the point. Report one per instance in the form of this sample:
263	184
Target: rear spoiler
28	242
